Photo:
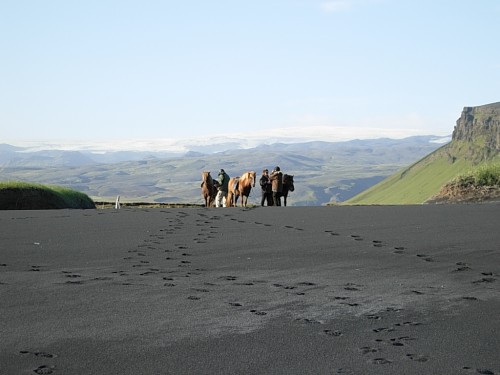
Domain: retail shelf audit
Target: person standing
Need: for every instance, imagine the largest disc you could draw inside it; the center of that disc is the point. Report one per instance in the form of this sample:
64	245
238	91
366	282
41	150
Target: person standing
265	185
276	178
223	182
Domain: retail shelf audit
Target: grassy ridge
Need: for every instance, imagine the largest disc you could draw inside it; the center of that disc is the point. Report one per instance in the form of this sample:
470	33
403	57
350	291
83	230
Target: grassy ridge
424	179
24	195
415	184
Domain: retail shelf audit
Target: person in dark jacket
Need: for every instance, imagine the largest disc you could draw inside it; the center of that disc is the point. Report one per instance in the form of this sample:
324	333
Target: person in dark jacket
223	185
265	186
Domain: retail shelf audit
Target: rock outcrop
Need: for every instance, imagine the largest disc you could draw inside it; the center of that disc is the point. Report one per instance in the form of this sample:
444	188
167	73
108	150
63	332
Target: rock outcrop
478	130
455	193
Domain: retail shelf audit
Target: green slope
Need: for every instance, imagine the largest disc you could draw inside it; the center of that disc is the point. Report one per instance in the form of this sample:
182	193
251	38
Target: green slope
417	183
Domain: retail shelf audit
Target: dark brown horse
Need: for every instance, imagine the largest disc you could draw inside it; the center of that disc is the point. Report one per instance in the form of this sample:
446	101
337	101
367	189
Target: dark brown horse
240	186
287	186
208	189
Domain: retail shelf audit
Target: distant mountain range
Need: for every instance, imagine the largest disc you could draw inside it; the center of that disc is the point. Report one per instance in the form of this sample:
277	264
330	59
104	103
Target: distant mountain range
325	172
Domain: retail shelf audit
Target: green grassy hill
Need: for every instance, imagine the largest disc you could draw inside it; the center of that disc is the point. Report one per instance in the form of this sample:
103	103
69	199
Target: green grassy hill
28	196
416	183
476	142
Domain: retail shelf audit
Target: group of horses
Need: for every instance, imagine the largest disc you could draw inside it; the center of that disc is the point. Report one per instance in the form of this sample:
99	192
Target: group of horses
238	186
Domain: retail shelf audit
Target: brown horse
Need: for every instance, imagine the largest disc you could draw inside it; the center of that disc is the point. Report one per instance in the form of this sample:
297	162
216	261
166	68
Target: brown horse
287	186
240	186
208	189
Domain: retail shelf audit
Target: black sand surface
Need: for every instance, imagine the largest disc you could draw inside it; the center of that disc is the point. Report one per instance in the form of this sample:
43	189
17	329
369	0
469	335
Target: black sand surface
288	290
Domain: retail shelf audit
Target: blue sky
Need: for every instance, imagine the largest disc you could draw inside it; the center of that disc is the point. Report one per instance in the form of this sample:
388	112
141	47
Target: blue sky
125	70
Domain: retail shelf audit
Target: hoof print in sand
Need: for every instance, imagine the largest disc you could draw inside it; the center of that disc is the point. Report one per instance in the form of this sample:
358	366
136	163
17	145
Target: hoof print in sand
383	329
228	278
44	370
399	250
398	344
468	298
39	354
417	292
334	333
462	269
309	321
381	361
367	350
257	312
74	282
408	324
484	280
147	273
352	287
485	371
306	283
417	358
341	371
425	257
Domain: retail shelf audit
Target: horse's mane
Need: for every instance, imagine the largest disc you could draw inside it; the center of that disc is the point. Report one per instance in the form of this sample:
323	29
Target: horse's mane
248	176
287	178
207	177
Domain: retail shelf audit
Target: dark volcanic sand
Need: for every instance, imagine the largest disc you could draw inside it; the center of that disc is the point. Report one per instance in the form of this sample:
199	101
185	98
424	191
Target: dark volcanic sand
288	290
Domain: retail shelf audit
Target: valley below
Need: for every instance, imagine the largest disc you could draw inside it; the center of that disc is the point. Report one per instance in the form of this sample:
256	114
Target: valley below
324	172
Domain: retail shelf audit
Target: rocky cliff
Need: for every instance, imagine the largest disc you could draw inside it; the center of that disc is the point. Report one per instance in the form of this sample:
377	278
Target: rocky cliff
478	131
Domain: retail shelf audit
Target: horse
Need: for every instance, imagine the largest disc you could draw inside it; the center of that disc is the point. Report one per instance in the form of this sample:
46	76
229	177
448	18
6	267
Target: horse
240	186
208	189
287	186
